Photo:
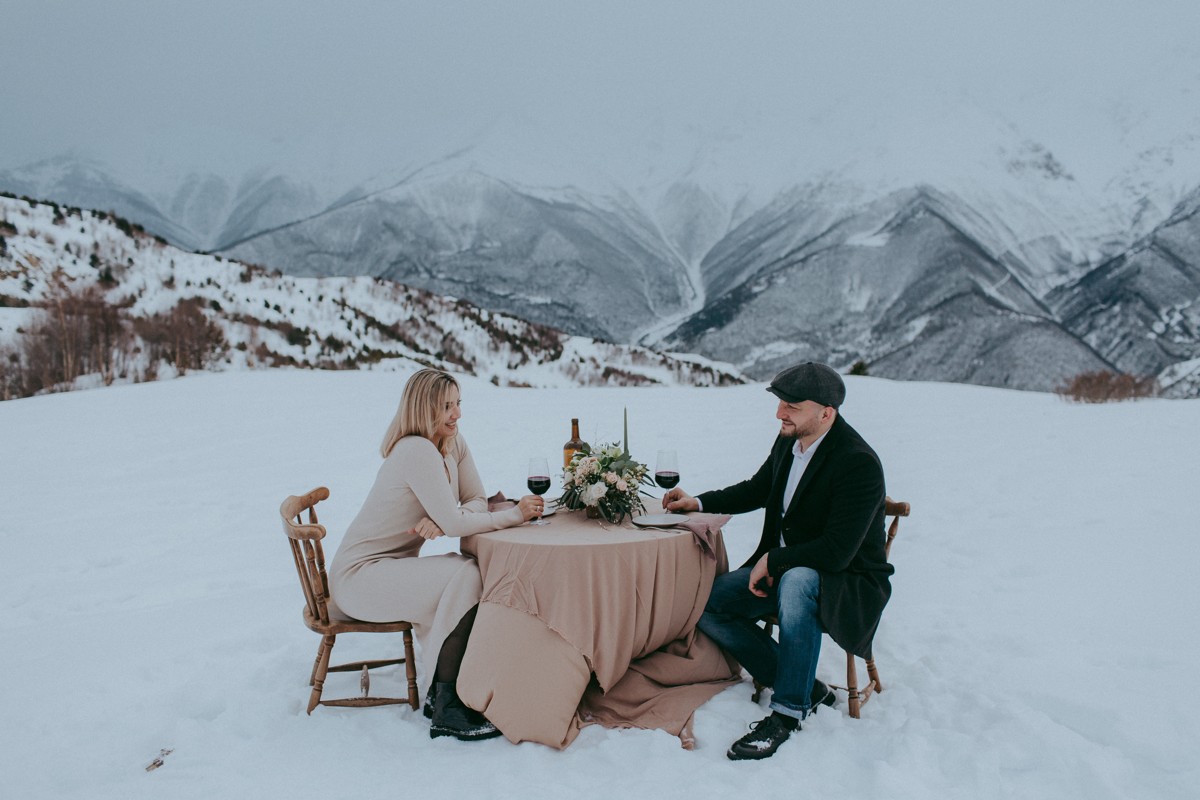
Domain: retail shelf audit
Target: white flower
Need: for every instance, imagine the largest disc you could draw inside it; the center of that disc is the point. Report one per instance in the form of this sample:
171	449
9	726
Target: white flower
593	493
613	451
622	486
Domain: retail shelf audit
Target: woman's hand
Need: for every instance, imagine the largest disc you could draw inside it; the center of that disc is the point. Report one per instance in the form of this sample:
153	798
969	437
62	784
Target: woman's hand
531	506
427	529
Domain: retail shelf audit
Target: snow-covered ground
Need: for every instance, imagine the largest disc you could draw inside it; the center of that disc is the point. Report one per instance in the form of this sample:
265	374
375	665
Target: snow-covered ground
1038	644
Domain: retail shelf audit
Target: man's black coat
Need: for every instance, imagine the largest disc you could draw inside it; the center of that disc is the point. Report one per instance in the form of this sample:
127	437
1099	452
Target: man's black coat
833	525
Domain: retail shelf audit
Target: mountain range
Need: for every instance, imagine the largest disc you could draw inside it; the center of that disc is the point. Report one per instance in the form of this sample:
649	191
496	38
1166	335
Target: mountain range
1015	275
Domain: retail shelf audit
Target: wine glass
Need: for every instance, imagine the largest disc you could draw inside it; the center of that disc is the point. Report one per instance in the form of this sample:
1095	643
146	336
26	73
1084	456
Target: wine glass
538	483
666	469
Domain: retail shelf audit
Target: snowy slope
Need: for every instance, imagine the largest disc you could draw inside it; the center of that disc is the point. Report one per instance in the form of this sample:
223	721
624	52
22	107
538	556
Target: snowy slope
269	319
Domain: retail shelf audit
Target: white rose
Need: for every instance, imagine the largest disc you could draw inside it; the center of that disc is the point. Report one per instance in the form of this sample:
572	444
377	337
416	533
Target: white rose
593	493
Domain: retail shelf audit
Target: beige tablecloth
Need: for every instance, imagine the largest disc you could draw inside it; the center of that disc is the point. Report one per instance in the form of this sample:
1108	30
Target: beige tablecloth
583	621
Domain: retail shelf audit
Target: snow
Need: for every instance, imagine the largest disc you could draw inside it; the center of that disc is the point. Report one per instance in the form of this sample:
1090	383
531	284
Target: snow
1037	643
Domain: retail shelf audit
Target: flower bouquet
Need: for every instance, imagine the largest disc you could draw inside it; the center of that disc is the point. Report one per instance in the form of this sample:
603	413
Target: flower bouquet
605	480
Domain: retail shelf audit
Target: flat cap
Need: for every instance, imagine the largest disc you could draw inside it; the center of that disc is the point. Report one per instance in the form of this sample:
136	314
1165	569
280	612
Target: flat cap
809	381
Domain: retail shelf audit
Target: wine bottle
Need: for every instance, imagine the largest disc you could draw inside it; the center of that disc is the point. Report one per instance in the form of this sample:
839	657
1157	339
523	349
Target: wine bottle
573	444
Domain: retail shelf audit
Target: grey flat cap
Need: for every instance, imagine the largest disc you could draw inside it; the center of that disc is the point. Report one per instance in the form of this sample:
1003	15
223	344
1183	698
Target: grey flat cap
809	381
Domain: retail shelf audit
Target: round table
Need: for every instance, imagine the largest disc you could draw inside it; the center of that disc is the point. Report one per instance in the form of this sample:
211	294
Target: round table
582	602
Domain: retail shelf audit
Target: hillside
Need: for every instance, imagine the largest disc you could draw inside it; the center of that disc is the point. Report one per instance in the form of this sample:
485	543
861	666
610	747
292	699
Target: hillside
144	308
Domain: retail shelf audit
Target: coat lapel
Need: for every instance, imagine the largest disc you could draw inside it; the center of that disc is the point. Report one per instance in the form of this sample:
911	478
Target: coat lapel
783	465
814	466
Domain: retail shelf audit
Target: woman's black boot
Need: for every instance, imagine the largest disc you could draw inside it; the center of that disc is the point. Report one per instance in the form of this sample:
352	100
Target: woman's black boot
452	718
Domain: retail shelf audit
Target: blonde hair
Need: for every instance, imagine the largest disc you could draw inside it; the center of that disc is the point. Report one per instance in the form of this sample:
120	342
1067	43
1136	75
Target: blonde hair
421	410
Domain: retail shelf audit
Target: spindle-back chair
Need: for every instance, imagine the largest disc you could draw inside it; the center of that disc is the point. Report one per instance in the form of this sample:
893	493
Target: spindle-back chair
304	538
894	509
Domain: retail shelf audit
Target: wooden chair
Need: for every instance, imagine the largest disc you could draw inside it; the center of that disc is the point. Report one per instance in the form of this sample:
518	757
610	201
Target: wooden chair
305	541
895	510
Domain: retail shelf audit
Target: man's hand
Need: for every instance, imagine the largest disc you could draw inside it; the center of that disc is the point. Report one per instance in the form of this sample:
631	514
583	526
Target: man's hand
679	500
427	529
758	575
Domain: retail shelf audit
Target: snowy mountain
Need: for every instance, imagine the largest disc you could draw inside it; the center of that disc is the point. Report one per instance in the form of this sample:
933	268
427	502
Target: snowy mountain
200	212
993	272
1151	289
52	255
920	283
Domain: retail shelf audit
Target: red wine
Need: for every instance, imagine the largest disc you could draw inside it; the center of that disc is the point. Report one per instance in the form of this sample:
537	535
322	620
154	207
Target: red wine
540	484
667	480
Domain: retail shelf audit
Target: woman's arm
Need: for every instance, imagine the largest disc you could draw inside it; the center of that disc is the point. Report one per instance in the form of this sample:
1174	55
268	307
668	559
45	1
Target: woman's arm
470	486
421	466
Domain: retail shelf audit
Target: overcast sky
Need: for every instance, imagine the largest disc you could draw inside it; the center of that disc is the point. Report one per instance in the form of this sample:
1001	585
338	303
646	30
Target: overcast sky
153	85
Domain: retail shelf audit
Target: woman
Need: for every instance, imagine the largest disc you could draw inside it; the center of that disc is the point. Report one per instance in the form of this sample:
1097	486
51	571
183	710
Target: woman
427	486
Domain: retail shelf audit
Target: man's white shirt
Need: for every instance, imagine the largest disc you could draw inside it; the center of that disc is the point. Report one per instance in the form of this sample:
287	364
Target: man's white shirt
800	462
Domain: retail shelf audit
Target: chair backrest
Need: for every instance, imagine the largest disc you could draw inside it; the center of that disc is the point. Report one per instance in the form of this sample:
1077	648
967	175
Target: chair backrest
307	553
894	509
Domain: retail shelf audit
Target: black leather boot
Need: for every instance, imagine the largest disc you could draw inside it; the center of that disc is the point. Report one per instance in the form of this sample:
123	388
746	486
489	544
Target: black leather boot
821	695
764	737
427	710
452	718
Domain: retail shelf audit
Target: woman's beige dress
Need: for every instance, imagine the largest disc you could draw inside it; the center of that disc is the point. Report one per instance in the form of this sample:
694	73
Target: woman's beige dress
375	575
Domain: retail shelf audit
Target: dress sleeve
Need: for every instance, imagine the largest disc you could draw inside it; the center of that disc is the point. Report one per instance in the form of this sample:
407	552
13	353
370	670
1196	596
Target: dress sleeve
471	493
424	472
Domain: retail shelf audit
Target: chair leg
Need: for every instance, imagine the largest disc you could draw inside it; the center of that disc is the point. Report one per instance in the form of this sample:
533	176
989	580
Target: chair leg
873	674
410	670
312	676
319	671
852	685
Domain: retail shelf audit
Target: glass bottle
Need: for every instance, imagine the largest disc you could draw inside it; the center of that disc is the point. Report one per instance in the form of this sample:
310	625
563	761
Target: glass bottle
573	444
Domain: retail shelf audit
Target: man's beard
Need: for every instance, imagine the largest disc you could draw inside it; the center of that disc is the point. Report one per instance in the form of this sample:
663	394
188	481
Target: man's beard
791	431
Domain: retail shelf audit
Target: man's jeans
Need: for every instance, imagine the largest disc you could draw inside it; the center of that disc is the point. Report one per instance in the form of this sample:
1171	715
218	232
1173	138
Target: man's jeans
789	665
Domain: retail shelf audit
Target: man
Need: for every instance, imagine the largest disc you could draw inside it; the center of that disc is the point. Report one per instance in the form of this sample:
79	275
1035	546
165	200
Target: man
820	565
